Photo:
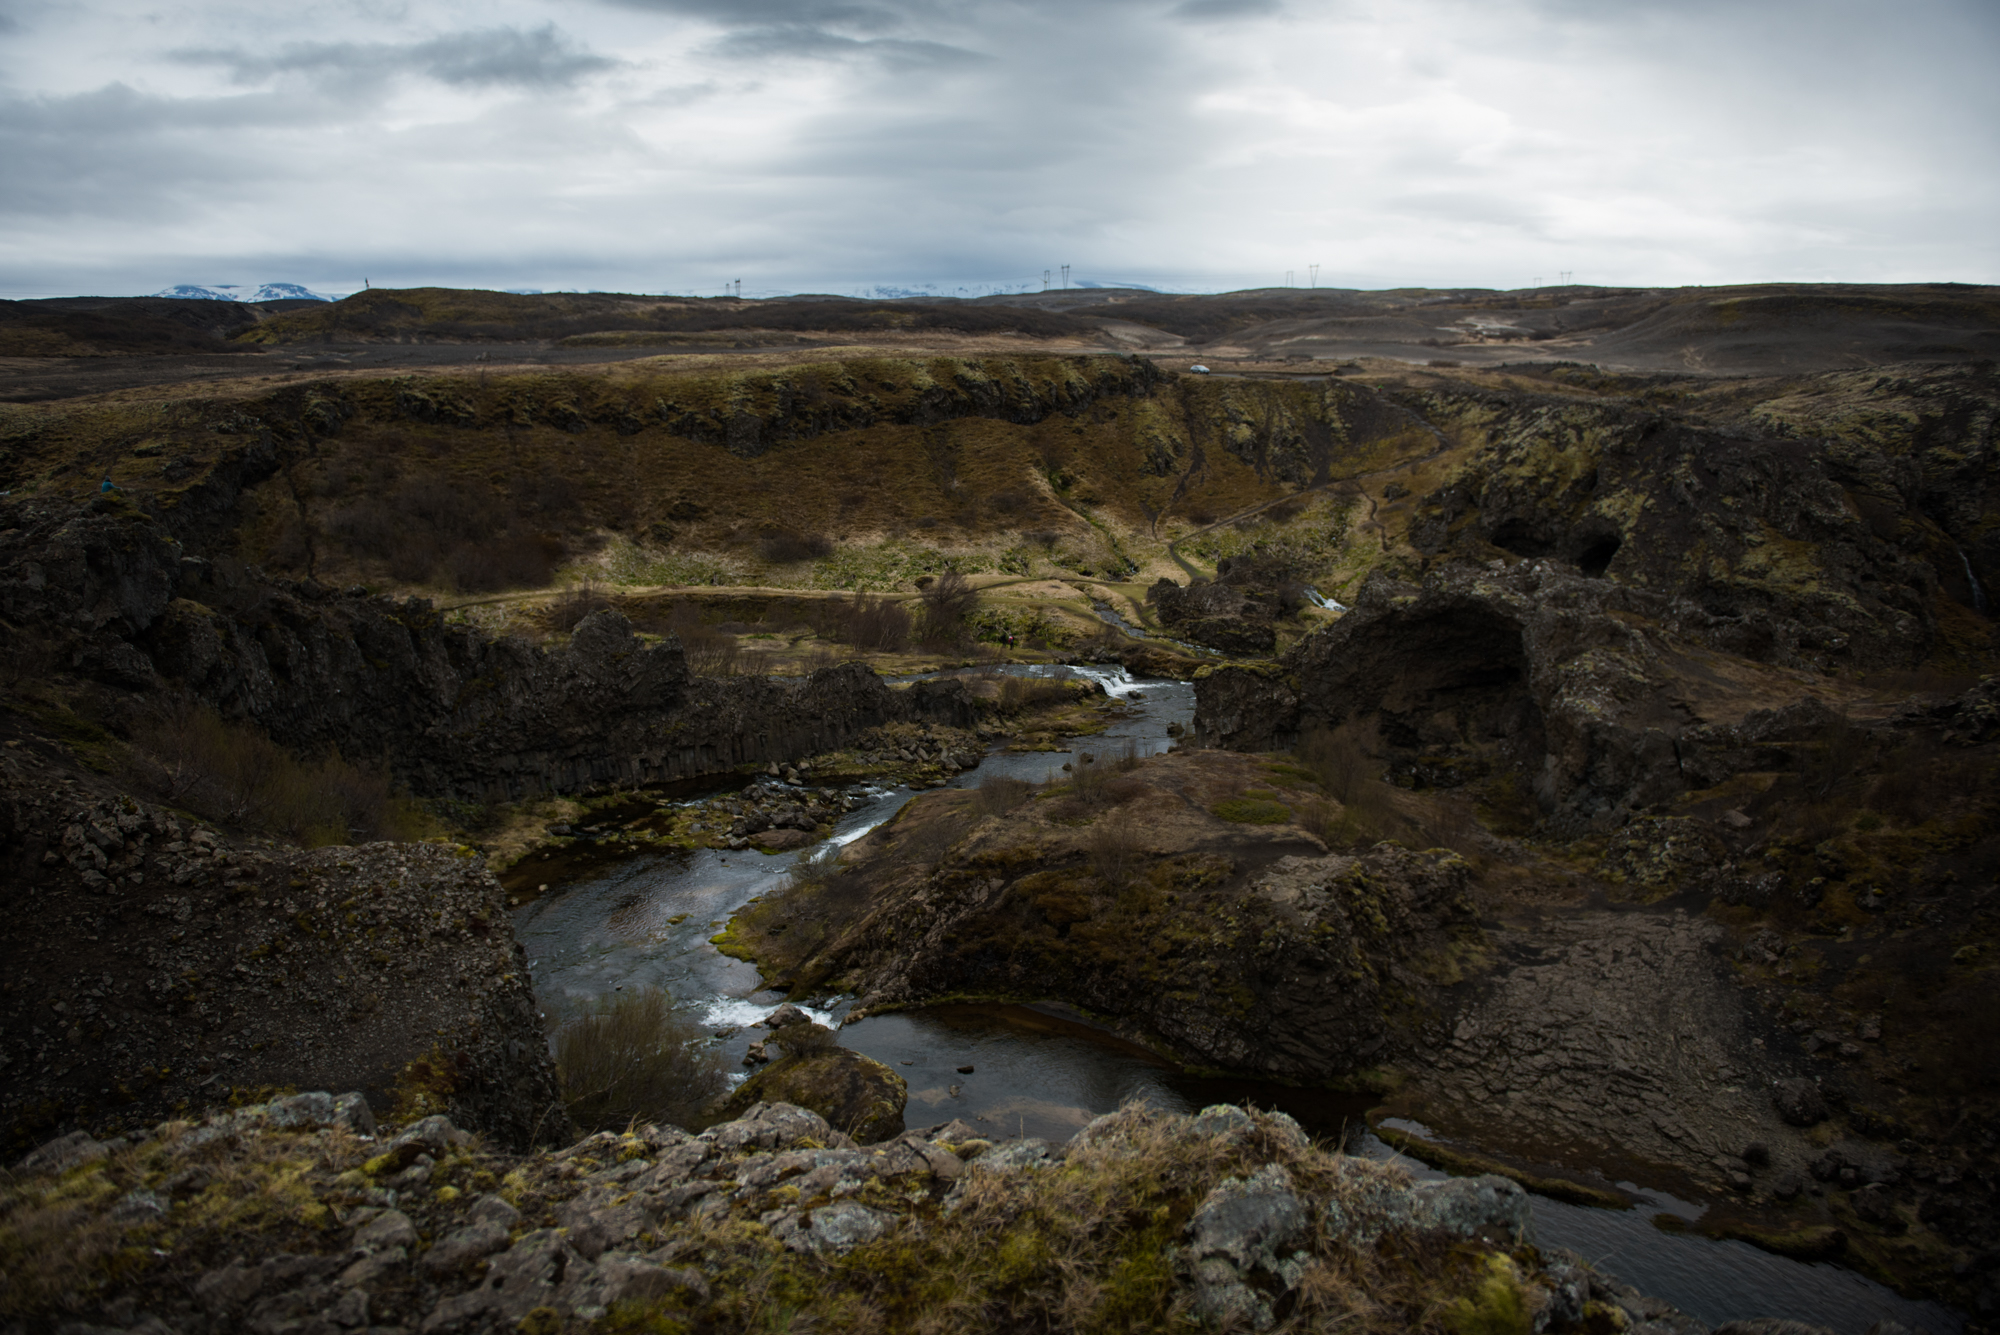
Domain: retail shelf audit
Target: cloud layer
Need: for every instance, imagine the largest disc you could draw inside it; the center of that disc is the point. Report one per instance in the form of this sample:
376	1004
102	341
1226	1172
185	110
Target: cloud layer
838	145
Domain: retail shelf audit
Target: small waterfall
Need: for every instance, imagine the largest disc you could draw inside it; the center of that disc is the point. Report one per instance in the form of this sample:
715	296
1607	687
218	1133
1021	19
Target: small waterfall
1329	604
1978	594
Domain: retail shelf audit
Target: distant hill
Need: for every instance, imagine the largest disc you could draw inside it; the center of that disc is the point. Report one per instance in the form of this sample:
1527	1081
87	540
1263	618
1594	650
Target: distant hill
122	326
235	292
450	315
1749	330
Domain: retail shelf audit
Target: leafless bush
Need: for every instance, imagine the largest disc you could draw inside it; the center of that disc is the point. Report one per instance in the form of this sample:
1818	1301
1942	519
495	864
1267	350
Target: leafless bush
788	548
710	651
999	794
632	1058
1112	843
574	604
866	621
1045	538
946	603
1127	757
189	756
1339	761
1019	693
1363	809
1831	757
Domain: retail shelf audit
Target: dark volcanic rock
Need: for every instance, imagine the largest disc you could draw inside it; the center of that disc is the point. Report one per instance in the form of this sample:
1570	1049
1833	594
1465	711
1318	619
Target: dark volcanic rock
1799	1101
453	711
1580	685
169	963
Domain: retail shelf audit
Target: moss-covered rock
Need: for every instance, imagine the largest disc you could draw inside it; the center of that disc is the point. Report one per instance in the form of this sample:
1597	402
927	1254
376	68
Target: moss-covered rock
855	1094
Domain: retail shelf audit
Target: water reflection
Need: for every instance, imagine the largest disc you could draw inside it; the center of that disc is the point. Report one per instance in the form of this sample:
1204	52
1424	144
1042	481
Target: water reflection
1713	1281
1040	1074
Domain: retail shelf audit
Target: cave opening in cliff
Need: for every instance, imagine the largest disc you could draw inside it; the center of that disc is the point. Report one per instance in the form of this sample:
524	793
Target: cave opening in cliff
1596	558
1442	682
1520	539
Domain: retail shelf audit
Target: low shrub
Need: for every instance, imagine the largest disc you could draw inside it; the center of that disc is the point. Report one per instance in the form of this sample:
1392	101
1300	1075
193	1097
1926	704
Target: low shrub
788	548
946	602
999	794
187	755
633	1058
573	605
866	621
1113	846
1023	693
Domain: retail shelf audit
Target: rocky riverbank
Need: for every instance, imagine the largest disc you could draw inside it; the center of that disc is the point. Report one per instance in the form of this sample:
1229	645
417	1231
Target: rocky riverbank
1262	952
302	1214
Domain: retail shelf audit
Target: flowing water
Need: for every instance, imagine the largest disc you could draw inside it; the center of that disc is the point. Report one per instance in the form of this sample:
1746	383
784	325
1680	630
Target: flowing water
1038	1072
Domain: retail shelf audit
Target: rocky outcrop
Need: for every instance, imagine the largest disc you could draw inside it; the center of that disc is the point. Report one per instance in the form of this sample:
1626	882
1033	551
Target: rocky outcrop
1294	967
857	1095
1235	611
1598	696
169	963
440	1233
454	712
1808	536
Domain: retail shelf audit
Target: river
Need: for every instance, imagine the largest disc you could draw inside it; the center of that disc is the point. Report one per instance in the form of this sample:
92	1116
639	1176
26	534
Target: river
1040	1072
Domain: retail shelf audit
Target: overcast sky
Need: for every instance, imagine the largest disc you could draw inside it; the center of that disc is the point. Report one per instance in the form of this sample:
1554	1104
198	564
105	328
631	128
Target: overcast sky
842	145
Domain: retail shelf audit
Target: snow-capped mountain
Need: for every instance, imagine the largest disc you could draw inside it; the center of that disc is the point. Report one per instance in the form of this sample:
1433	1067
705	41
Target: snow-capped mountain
241	292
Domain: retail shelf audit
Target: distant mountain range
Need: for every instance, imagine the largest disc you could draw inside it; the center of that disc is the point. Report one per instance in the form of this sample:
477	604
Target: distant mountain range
241	292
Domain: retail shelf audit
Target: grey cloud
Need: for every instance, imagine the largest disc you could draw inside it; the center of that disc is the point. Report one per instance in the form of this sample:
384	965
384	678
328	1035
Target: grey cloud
542	58
764	43
785	13
1215	11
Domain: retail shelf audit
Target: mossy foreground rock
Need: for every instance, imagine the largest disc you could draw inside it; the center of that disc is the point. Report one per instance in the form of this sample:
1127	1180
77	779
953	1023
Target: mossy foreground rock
289	1218
857	1094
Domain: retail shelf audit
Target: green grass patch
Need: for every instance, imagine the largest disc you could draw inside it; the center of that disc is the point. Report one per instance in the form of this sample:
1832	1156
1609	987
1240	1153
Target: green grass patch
1252	811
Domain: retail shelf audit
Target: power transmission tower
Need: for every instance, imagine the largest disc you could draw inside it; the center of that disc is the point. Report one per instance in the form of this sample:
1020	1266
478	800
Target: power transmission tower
1538	280
1565	277
1315	274
739	289
1065	278
1045	280
1288	277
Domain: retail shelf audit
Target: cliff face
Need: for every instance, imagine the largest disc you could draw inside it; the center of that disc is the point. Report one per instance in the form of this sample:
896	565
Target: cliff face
1836	520
454	712
158	963
1211	923
1600	696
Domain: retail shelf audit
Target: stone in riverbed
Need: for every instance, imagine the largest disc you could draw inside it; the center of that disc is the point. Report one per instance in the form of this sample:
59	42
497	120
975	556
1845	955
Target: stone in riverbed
781	839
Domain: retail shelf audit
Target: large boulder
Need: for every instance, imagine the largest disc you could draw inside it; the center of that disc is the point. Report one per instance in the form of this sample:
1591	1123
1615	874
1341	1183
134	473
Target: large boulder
855	1094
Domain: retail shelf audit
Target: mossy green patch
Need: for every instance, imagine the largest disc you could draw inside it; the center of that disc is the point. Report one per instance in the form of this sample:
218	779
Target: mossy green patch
1252	811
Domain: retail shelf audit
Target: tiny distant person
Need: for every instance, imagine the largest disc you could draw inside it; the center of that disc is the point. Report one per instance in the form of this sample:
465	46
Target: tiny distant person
106	486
